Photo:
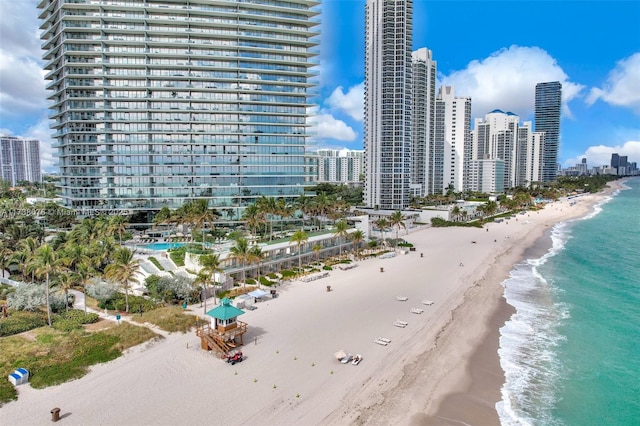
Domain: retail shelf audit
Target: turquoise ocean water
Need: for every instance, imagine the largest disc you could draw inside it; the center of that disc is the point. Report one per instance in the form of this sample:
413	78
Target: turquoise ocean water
571	352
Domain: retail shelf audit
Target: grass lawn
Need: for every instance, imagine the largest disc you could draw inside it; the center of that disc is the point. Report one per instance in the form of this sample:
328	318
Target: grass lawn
170	318
53	357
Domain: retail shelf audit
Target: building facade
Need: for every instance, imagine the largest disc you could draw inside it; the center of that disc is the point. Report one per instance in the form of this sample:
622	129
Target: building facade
387	112
340	166
424	156
495	138
452	141
158	102
487	176
548	106
20	160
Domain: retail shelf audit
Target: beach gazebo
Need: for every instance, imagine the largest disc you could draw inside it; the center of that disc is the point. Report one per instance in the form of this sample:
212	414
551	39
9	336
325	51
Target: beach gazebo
225	332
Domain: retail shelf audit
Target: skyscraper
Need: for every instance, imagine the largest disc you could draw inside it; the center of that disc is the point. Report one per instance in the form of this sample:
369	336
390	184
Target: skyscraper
157	102
452	152
19	160
548	104
340	166
387	112
423	150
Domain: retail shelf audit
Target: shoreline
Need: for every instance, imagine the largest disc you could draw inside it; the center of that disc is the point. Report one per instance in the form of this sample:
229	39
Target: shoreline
468	400
291	376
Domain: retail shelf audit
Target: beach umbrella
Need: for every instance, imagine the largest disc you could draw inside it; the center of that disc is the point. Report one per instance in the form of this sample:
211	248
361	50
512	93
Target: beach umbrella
340	354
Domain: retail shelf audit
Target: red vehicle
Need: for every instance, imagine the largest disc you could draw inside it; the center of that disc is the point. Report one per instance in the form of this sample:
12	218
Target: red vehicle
233	358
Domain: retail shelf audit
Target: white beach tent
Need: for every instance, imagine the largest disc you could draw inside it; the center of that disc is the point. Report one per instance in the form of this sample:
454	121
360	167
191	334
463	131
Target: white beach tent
258	294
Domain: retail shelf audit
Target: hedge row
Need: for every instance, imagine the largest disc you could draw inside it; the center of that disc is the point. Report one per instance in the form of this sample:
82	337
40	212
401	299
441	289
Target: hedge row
21	321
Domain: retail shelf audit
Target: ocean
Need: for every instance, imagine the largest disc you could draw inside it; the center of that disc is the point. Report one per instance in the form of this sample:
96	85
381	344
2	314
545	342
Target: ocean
571	352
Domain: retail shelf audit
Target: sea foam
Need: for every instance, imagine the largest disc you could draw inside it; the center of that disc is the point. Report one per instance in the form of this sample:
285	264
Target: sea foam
528	340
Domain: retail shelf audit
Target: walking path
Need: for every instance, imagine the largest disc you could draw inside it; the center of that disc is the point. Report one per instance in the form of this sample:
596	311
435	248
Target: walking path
78	303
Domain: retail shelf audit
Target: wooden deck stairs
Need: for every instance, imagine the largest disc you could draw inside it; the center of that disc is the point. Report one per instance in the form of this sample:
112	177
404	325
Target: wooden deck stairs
219	343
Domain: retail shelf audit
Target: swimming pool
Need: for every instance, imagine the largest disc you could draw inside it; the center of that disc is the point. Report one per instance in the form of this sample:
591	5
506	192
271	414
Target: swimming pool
162	246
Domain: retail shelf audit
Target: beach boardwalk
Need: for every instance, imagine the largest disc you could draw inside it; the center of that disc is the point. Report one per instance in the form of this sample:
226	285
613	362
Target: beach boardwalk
225	332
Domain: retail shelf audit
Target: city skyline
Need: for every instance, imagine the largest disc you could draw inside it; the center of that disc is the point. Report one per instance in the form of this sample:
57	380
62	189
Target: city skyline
498	66
598	69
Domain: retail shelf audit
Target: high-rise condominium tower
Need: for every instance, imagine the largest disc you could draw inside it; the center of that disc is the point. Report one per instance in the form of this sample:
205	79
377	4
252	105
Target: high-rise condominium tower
157	102
19	160
424	156
453	141
387	113
548	106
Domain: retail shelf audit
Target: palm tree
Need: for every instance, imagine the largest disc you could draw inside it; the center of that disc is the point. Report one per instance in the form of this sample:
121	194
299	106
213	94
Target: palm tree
298	238
84	273
316	249
74	254
382	224
357	237
491	207
64	282
455	211
44	263
203	215
123	270
257	256
240	252
23	256
210	266
117	225
253	217
340	231
283	210
305	205
5	257
269	207
397	219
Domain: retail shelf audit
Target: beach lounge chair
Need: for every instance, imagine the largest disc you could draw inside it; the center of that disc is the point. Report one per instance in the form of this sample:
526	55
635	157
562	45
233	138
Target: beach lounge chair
401	324
356	359
402	298
380	342
427	302
417	311
384	339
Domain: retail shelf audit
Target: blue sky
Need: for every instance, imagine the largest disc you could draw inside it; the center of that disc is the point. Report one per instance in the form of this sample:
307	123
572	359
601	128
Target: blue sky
496	52
493	51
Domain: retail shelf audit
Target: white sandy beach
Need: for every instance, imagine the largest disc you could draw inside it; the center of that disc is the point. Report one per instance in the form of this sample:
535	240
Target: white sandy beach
290	375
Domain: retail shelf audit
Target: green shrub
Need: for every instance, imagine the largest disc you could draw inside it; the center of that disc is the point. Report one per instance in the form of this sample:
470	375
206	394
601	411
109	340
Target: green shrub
156	263
74	319
288	274
177	255
136	303
250	281
266	281
273	275
21	321
438	222
327	268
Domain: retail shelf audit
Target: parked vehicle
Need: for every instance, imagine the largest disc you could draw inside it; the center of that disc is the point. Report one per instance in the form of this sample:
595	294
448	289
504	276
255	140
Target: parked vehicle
233	358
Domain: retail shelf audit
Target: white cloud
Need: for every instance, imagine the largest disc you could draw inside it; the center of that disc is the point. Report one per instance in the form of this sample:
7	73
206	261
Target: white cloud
22	86
622	87
601	155
507	79
327	126
42	132
351	103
